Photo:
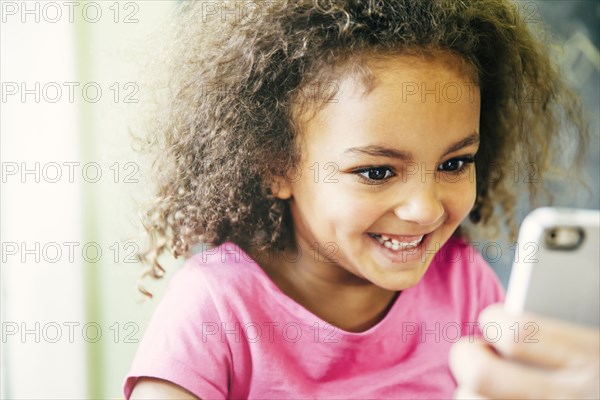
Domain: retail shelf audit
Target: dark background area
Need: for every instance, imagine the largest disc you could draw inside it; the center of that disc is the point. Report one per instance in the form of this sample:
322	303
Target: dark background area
574	25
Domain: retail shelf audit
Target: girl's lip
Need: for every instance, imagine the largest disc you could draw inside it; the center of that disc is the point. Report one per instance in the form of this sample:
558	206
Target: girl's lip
401	238
404	256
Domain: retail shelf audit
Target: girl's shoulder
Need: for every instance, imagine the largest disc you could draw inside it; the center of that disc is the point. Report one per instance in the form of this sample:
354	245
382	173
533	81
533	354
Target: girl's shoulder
224	275
227	260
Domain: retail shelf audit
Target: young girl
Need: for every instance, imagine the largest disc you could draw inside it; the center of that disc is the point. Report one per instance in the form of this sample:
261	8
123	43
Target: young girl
327	154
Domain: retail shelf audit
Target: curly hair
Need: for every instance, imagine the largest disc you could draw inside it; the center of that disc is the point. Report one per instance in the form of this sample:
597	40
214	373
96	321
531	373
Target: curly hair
237	78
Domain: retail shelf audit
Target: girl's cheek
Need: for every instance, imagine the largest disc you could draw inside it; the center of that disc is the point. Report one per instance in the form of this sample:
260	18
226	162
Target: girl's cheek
460	198
361	213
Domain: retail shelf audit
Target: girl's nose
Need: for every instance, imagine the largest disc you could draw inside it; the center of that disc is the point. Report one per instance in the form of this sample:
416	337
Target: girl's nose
421	205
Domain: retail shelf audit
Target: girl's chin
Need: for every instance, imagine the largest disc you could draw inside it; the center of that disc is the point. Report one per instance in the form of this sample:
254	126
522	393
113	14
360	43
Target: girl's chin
397	280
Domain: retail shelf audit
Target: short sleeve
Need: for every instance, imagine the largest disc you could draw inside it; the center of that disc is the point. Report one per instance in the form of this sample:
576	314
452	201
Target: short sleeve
179	344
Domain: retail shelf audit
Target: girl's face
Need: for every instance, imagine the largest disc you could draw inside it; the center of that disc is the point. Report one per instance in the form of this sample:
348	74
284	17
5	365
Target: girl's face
386	177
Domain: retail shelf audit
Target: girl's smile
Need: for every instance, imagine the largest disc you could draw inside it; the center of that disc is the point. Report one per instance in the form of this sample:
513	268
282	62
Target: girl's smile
404	173
403	251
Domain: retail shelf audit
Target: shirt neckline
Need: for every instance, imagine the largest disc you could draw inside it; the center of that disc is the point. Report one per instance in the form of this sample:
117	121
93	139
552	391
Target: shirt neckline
291	306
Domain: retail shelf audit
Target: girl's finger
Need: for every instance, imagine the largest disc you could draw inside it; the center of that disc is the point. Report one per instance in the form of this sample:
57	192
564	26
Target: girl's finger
540	341
479	369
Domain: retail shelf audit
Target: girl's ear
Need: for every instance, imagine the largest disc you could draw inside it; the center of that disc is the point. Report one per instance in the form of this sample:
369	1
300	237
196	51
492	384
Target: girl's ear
281	188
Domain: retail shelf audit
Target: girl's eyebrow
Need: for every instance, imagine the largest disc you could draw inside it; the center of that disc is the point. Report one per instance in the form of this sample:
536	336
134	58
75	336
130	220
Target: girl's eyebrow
376	150
471	140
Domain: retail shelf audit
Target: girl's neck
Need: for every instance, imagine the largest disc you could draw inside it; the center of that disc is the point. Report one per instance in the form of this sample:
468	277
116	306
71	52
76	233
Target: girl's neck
328	290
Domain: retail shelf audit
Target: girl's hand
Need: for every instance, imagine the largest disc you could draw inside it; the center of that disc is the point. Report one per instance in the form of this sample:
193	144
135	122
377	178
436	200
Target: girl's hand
530	358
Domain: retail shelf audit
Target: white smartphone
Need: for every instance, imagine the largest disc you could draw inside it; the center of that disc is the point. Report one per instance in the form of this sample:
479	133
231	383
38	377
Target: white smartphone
556	271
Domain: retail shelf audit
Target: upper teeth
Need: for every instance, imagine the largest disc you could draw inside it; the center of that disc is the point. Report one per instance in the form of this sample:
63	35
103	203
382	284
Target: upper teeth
395	244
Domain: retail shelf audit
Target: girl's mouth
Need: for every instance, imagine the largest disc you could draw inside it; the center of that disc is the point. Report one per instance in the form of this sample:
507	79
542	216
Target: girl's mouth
398	243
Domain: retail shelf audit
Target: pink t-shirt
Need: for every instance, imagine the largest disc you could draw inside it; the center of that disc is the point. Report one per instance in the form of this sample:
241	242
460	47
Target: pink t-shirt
225	330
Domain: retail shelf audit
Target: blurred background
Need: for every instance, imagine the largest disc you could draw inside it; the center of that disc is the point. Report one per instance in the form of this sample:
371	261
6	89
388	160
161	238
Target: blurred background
71	93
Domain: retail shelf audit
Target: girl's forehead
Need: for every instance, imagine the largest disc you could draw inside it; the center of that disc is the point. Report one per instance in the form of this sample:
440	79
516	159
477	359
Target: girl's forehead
413	106
359	76
406	63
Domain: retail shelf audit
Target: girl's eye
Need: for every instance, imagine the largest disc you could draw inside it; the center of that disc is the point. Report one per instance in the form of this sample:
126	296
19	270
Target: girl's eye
456	164
375	174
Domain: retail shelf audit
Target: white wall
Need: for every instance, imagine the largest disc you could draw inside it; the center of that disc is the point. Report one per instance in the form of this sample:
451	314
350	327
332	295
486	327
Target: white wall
59	46
36	212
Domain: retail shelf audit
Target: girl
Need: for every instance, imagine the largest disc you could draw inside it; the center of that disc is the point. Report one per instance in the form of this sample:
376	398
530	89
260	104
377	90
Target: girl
327	153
